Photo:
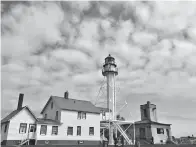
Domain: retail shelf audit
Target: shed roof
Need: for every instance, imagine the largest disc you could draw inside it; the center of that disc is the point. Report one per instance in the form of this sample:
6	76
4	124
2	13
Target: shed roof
48	121
72	105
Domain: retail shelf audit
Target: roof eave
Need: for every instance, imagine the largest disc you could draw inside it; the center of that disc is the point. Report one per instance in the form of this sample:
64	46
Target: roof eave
46	105
50	123
17	111
31	112
5	122
80	110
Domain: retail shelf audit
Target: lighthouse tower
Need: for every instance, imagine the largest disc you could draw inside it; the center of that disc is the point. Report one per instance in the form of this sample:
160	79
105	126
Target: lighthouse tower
110	70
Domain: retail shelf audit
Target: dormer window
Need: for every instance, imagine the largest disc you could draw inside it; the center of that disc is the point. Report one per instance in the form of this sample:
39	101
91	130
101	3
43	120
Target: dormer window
52	105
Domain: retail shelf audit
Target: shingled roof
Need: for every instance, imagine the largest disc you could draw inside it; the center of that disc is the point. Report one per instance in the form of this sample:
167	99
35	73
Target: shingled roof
48	121
72	104
14	113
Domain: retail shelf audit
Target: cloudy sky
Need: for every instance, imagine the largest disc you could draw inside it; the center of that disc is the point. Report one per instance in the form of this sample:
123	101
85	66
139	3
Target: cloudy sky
51	47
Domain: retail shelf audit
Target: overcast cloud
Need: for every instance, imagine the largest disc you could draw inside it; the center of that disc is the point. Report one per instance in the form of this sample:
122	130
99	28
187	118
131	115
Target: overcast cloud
51	47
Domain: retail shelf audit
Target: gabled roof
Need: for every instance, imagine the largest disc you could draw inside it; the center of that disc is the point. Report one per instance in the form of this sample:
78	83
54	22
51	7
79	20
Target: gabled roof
48	121
72	105
15	112
150	122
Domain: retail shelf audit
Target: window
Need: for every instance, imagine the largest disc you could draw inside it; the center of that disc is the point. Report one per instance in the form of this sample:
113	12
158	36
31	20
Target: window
43	130
79	115
5	129
70	131
45	116
160	131
54	130
32	128
83	115
145	113
52	105
78	130
56	117
103	113
23	128
91	130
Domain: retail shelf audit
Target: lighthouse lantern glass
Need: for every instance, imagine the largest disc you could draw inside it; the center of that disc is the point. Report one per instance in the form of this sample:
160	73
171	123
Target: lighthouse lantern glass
109	60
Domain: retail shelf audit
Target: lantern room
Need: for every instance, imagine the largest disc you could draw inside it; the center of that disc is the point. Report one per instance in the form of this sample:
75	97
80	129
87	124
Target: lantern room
109	66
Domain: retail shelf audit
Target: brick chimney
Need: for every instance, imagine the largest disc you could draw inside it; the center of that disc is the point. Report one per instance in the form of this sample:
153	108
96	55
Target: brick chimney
66	95
20	101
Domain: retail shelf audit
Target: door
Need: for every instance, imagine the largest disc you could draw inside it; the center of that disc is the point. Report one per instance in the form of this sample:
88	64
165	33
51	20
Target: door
167	130
32	130
32	142
142	133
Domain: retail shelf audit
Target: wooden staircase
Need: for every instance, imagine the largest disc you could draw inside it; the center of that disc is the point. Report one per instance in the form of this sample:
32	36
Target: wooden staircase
24	141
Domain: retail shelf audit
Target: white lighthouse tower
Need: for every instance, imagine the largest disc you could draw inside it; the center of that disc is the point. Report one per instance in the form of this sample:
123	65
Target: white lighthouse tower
110	70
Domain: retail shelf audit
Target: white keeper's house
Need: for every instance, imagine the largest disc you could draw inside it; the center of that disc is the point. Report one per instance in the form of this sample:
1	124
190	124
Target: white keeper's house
67	121
64	121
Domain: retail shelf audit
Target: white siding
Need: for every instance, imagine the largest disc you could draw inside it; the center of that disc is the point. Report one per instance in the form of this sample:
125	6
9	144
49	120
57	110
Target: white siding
22	117
159	137
48	135
153	113
106	117
4	134
69	118
51	112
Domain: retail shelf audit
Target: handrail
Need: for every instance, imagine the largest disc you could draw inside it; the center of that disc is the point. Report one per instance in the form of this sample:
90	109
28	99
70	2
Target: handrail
24	141
110	69
24	138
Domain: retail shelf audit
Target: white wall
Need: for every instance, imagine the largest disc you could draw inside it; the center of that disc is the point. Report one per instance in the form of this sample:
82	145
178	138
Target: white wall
158	137
22	117
51	113
137	131
48	135
106	117
69	118
4	134
153	114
